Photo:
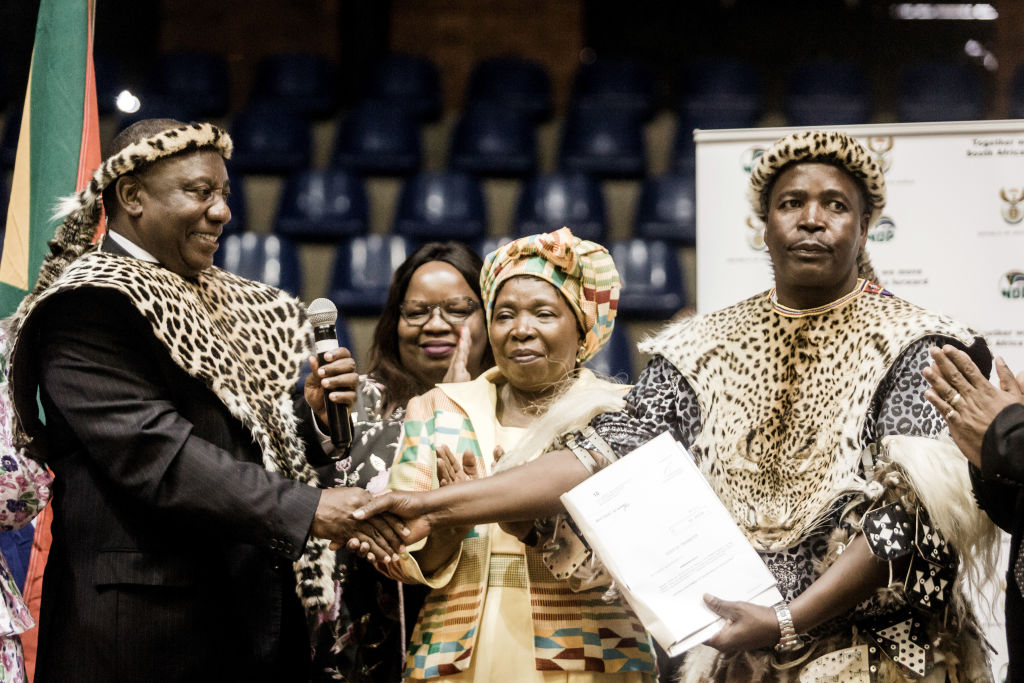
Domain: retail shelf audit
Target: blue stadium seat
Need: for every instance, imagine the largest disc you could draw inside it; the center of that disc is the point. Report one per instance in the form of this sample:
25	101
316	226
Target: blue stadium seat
378	138
493	140
603	141
409	81
1017	94
827	92
550	201
441	205
720	93
666	210
199	80
519	84
938	91
363	267
652	280
269	139
616	358
270	259
9	140
304	82
322	206
615	83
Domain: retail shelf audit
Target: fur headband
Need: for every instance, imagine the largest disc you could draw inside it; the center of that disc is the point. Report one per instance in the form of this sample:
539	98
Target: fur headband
822	146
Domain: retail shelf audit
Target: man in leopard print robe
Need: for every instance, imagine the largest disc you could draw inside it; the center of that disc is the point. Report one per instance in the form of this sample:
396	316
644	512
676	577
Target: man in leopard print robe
186	514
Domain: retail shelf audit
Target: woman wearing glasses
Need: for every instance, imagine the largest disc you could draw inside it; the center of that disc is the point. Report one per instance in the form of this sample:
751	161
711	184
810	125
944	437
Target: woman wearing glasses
496	612
430	331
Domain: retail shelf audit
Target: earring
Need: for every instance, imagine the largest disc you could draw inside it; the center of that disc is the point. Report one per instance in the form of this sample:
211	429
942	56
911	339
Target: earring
581	353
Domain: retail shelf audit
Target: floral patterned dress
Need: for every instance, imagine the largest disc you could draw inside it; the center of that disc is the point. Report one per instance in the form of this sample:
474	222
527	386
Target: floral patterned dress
24	490
367	640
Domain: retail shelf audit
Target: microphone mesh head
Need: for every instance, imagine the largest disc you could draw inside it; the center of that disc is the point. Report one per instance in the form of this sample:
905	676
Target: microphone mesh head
322	312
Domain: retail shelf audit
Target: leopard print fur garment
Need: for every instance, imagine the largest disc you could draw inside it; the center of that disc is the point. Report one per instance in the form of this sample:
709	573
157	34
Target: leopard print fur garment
244	340
762	377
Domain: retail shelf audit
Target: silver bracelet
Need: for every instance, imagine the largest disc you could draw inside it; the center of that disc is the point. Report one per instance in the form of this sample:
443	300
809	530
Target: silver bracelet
788	639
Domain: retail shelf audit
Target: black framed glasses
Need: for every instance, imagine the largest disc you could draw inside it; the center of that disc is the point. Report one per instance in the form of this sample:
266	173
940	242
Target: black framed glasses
454	311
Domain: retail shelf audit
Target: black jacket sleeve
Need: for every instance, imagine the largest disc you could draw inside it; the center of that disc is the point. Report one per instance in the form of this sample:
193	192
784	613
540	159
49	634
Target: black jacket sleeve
107	381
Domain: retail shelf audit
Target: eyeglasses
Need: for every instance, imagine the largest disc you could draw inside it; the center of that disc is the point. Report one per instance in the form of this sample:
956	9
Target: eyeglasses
454	311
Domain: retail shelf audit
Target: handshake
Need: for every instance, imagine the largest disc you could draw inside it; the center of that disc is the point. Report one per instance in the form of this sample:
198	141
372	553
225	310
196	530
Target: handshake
378	528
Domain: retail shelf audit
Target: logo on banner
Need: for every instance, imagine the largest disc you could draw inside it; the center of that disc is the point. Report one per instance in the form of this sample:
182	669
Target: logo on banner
881	145
755	238
1012	285
1013	211
750	156
882	231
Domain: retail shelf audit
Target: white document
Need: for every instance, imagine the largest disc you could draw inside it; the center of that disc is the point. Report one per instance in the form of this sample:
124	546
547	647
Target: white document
665	537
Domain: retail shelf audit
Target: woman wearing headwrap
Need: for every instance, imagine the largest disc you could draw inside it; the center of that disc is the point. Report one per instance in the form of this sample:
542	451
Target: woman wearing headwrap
496	612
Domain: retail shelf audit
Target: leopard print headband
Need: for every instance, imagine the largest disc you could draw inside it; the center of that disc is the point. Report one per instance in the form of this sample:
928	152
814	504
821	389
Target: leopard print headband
822	146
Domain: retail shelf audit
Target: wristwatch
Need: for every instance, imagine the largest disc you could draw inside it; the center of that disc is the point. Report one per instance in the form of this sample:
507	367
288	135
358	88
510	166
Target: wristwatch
788	639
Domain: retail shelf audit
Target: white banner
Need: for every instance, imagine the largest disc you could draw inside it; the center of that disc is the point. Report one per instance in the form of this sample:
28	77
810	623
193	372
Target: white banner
951	237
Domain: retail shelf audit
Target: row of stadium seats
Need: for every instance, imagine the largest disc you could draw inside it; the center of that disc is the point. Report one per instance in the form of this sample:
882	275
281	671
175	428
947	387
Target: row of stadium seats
724	90
328	205
653	286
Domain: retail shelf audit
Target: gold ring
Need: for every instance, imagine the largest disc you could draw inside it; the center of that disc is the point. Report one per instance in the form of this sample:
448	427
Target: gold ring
956	399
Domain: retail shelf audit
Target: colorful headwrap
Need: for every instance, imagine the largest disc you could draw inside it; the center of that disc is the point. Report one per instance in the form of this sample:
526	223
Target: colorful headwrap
581	270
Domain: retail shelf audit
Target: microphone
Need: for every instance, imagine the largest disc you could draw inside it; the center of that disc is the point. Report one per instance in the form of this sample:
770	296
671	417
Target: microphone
323	314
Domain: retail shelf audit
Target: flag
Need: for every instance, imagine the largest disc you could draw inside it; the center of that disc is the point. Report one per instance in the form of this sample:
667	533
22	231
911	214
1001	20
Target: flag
58	149
59	142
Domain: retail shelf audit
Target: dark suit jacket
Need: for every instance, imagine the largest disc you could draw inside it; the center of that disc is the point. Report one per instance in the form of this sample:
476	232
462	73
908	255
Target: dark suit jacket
172	545
999	488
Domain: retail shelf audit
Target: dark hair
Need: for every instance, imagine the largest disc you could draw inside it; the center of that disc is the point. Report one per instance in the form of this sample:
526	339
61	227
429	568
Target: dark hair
385	362
862	189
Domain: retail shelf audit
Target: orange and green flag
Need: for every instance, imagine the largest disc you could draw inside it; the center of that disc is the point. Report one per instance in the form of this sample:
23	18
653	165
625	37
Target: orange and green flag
59	143
58	149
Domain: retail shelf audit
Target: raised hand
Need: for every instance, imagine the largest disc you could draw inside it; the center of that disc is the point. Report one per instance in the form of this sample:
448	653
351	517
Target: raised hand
457	371
450	469
967	400
747	626
337	378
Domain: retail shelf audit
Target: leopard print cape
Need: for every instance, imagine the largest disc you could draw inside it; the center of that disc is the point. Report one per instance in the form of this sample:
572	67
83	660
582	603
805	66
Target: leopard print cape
244	340
763	378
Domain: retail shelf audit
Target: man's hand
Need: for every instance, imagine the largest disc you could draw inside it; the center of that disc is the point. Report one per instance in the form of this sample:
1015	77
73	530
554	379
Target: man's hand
967	400
380	537
747	626
337	378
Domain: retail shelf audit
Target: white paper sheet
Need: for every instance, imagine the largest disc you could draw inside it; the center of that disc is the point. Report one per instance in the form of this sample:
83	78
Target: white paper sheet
662	533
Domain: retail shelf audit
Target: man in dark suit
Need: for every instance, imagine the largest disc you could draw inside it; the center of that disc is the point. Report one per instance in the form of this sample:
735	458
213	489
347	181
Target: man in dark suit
987	423
187	532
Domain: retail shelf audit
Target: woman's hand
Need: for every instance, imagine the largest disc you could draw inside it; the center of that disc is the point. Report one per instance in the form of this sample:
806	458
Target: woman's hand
337	378
457	370
747	626
451	470
967	400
